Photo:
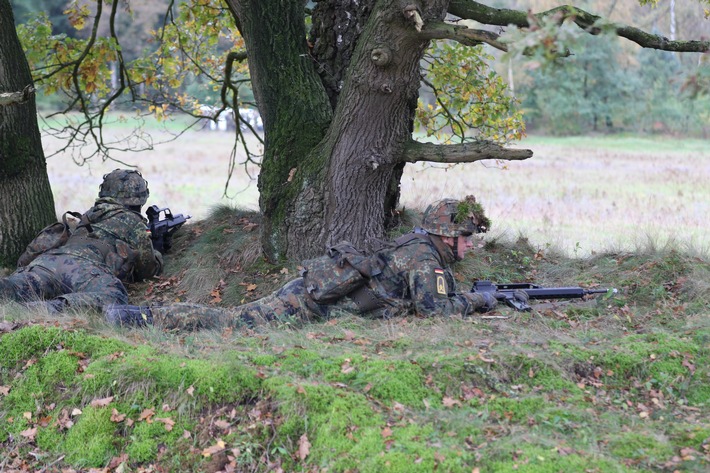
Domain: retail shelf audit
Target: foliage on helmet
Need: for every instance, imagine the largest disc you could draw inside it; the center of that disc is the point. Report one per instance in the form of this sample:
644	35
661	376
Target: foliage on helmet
125	186
453	218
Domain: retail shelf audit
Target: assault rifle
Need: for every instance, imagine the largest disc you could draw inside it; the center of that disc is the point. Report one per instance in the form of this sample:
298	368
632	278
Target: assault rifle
506	292
161	231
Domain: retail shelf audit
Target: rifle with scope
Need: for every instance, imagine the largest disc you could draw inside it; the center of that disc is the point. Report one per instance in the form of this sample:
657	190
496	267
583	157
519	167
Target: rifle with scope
507	292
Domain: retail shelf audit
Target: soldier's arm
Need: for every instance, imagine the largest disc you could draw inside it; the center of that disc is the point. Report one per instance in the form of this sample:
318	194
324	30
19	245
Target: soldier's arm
431	294
148	261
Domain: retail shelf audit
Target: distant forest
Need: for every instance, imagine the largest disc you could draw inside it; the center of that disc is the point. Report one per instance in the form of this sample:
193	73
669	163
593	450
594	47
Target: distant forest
603	86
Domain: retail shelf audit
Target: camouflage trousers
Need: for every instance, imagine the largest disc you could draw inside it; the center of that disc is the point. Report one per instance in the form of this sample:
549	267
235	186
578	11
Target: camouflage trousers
290	305
79	283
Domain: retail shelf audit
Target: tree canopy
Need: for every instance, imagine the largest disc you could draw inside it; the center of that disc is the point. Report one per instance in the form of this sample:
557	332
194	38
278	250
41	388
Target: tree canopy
346	89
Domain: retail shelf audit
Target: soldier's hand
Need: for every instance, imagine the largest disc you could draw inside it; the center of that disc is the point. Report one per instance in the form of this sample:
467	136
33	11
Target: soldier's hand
485	301
522	296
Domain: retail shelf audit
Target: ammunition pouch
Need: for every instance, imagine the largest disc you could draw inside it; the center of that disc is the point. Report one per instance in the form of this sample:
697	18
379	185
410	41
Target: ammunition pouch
337	274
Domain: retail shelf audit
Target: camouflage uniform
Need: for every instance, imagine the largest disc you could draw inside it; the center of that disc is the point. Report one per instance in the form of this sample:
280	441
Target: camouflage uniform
111	245
415	278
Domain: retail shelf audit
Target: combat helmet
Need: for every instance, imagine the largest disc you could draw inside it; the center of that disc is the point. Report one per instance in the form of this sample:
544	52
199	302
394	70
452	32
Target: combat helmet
453	218
125	186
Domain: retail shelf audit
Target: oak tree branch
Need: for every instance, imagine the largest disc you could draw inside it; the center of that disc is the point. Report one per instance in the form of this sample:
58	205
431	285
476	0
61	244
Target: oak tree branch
462	153
473	10
10	98
461	34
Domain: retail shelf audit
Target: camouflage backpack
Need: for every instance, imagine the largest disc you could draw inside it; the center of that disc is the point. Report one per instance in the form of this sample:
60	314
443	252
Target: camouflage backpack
50	237
338	273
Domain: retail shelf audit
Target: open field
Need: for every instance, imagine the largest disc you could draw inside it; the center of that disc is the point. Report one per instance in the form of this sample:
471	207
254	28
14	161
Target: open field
578	194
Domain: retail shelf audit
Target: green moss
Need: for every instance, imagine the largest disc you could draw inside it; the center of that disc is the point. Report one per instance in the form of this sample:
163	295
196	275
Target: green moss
338	423
689	435
698	393
264	359
515	410
534	372
536	459
640	446
399	381
38	384
27	343
306	363
49	438
225	382
155	376
146	437
92	441
33	341
657	359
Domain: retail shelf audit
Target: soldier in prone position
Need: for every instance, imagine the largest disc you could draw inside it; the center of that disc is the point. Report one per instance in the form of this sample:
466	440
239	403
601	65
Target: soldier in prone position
414	278
110	245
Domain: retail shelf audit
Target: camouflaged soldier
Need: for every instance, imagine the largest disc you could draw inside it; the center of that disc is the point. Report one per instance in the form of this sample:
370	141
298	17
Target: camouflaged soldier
110	245
413	277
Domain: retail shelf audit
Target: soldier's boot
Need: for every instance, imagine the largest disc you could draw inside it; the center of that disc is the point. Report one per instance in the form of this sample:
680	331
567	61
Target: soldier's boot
7	290
128	315
53	307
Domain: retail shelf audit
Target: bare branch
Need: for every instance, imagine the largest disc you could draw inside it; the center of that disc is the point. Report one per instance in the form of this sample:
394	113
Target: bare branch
473	10
229	85
461	34
462	153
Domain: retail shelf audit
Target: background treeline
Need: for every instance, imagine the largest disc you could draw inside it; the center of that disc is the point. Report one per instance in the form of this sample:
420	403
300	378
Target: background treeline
605	86
608	85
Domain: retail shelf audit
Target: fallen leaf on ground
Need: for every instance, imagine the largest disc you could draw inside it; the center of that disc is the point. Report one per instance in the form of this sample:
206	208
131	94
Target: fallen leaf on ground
167	421
216	448
450	402
117	416
222	424
29	433
146	415
304	447
101	402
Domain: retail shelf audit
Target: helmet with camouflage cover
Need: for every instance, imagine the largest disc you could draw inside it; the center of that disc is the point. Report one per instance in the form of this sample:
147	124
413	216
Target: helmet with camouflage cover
125	186
453	218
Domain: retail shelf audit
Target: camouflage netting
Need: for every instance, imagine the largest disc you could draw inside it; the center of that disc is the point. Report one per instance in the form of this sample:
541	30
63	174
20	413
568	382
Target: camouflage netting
453	218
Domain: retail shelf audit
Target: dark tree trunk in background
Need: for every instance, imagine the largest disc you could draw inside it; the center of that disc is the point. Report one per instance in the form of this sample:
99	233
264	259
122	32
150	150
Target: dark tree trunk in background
334	142
296	113
26	201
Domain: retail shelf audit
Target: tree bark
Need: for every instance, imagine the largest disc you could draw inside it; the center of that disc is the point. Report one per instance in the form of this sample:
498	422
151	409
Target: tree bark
26	201
373	121
296	113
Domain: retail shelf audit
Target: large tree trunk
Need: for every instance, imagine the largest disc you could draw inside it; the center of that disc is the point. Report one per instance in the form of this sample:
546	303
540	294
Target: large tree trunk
296	113
26	201
373	122
326	175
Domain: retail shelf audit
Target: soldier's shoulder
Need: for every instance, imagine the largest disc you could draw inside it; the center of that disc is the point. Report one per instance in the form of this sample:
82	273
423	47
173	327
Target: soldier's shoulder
414	244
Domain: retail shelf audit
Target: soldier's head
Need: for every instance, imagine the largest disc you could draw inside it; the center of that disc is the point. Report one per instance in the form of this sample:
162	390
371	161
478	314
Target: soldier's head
455	221
126	187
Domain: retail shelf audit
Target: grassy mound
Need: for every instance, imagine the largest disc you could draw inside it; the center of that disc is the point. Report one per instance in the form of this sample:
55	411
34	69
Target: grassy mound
609	384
